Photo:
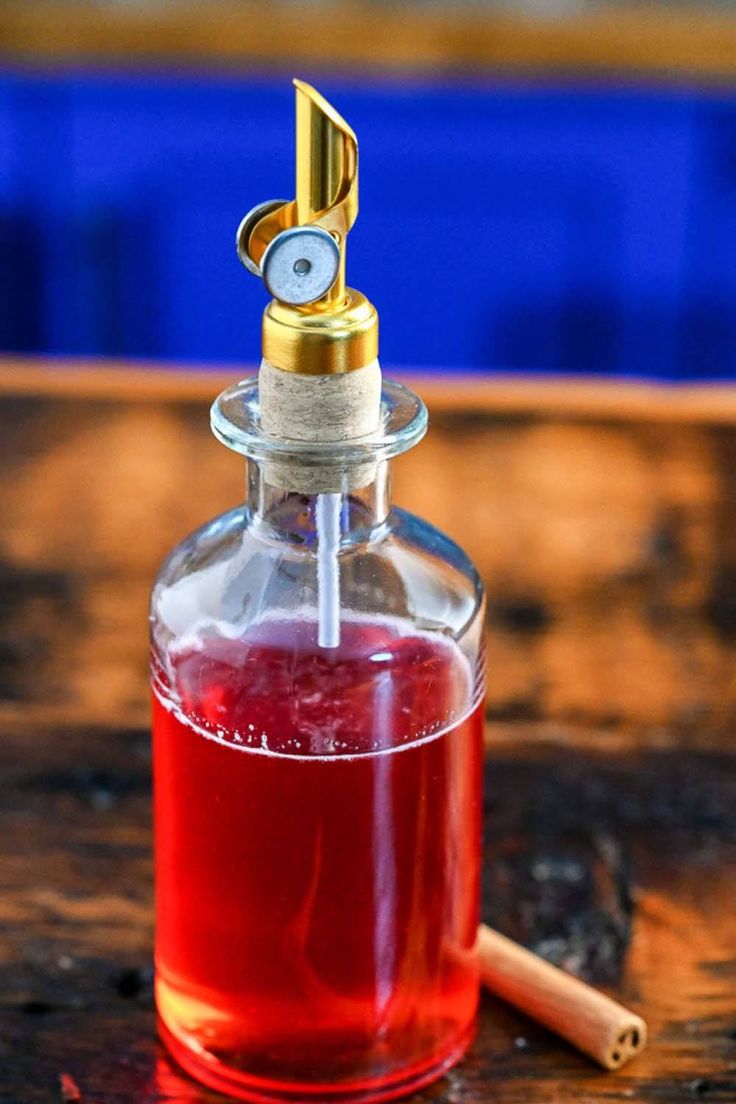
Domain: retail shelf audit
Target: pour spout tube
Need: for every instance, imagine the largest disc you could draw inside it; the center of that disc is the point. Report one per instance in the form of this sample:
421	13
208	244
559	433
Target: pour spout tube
326	174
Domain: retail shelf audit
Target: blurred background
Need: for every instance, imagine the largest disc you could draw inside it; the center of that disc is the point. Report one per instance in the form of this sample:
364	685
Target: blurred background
547	186
548	228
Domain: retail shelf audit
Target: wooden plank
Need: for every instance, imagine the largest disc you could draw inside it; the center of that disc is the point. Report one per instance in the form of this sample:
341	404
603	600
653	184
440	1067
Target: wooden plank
497	393
658	41
607	547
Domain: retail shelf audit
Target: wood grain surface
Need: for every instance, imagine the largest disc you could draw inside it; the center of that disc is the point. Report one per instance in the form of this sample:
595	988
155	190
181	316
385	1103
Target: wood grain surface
608	544
682	41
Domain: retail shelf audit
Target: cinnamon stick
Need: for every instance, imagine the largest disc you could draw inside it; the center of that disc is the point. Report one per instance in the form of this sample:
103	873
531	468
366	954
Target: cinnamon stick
591	1021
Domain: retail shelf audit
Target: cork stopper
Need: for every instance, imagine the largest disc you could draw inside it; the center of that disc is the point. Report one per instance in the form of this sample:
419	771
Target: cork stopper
320	409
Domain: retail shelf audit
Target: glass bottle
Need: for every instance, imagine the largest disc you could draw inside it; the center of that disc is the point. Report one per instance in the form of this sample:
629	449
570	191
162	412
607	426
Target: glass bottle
317	669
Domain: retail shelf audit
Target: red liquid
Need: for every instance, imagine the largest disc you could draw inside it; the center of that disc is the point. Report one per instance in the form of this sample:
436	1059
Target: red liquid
317	856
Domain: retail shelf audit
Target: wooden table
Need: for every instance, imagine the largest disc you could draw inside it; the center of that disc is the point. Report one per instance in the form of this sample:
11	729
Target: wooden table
603	520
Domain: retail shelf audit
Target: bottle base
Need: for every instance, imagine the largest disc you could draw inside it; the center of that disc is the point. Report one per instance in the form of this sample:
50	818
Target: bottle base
234	1083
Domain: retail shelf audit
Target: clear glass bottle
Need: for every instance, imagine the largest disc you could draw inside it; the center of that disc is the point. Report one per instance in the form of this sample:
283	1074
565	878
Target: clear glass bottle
317	666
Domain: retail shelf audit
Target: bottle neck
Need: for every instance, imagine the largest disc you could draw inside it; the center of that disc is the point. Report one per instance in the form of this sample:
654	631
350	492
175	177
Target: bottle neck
291	516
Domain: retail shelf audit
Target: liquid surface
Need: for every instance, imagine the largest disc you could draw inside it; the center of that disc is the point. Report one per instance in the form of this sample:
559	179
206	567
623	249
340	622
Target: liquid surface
317	853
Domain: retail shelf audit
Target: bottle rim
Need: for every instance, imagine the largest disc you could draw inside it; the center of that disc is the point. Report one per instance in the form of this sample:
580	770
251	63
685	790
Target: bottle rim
235	420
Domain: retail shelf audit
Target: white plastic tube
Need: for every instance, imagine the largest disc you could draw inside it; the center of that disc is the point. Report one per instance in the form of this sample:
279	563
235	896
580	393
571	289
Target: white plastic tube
328	570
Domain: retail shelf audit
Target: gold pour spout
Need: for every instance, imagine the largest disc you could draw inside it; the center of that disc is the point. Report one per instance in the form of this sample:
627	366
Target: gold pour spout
326	163
314	324
326	188
326	172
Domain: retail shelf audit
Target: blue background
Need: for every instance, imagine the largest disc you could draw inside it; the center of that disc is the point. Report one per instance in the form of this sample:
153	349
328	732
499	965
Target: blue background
503	226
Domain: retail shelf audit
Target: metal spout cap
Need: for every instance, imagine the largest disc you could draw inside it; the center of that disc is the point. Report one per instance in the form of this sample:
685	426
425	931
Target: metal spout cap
314	324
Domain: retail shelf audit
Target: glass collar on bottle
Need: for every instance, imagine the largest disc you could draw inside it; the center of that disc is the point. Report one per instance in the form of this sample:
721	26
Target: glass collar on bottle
236	422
